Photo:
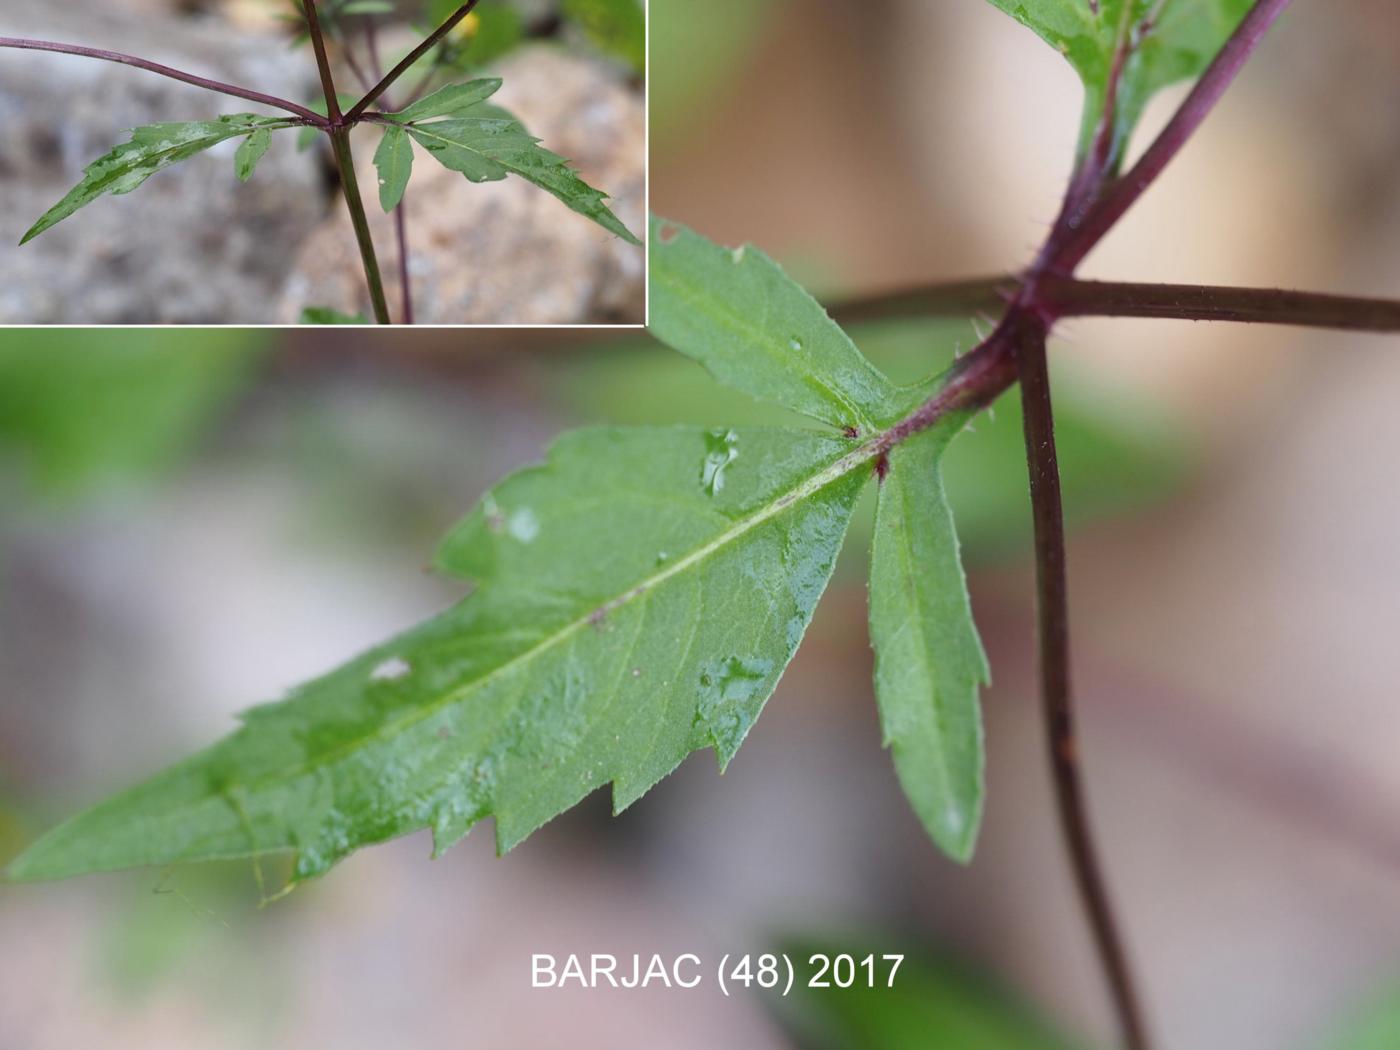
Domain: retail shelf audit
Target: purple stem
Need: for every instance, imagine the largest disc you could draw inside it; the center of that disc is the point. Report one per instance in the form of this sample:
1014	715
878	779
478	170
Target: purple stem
1058	297
323	63
413	56
1052	614
405	281
310	116
1189	302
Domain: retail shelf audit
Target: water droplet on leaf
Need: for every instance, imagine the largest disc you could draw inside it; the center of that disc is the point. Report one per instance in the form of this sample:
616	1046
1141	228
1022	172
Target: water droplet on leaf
728	688
721	449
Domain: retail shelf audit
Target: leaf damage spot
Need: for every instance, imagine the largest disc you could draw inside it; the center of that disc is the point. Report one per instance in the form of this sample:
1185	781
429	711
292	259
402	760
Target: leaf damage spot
390	670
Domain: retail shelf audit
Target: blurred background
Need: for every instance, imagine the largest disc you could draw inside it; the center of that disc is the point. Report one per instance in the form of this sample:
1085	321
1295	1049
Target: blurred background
195	246
192	524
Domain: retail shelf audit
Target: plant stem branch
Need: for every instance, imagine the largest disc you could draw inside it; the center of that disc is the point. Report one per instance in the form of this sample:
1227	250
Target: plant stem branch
1122	193
1059	297
339	131
405	281
345	162
323	64
1191	302
412	57
1052	608
310	116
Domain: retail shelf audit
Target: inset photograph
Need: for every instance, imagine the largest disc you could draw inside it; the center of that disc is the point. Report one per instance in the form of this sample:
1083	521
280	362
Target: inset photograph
279	162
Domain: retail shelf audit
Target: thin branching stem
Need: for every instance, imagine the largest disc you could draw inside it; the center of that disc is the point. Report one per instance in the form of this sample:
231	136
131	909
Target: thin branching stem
309	115
345	164
323	63
409	60
1200	302
1060	297
405	278
350	188
1052	615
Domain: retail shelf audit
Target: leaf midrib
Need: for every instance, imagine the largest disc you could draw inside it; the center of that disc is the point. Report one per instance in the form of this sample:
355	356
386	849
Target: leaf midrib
832	473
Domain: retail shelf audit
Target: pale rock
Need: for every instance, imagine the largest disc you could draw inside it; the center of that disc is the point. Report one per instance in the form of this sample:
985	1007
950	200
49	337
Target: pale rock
504	252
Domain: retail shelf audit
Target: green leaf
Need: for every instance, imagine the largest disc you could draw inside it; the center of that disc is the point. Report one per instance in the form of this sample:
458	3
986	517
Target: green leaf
250	151
756	329
485	143
932	1003
326	315
1178	45
450	101
152	148
929	662
394	160
625	614
618	27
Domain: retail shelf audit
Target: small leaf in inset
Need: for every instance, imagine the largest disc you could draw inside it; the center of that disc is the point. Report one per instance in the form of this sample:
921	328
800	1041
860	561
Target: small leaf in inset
250	151
394	162
450	101
485	143
152	148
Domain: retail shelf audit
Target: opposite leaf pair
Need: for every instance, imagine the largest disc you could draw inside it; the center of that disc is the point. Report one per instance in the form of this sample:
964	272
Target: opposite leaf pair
454	124
638	597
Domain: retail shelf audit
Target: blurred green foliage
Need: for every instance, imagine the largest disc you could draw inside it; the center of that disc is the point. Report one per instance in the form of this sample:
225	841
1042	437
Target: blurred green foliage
616	27
1376	1026
80	409
1117	454
498	28
700	57
934	1003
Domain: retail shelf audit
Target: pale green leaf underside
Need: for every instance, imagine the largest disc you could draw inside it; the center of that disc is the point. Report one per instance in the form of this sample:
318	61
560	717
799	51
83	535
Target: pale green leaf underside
450	101
929	663
1180	39
627	612
485	143
250	151
152	148
757	330
394	162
